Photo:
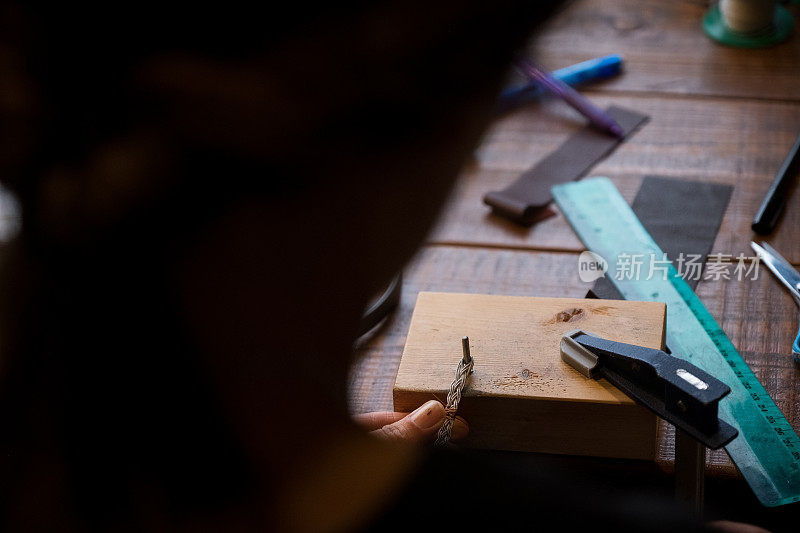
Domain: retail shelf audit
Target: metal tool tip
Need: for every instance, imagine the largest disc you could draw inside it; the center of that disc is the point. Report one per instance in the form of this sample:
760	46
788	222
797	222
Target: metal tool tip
465	349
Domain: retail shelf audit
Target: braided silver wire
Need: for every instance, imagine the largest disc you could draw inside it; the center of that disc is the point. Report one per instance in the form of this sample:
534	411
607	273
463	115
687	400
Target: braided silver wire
454	395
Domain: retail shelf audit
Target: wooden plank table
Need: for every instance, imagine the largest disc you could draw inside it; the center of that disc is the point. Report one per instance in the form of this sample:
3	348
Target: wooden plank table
717	114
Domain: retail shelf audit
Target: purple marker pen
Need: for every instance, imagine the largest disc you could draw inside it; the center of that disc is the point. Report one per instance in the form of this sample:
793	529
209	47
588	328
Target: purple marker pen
595	115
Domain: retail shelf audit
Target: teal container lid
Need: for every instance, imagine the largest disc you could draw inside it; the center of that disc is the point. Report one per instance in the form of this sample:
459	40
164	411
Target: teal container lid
780	30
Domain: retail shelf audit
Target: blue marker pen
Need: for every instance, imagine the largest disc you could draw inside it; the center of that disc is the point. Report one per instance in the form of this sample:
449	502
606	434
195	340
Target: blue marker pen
593	69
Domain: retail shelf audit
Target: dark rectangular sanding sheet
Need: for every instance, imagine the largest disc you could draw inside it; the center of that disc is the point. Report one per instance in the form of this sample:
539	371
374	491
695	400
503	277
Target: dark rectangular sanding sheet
681	216
522	200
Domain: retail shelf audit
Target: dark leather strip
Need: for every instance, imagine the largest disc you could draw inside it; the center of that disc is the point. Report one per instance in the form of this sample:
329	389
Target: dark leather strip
683	217
522	200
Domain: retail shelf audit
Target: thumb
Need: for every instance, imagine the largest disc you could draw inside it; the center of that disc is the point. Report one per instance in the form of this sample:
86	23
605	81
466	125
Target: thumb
419	425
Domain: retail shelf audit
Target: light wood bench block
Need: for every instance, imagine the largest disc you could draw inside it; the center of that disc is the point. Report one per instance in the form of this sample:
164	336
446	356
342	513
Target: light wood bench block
521	396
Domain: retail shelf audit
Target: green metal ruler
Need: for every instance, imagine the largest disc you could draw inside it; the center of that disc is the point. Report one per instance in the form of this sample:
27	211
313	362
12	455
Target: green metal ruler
767	450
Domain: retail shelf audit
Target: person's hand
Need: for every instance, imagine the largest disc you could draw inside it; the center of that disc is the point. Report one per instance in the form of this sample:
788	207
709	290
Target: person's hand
420	425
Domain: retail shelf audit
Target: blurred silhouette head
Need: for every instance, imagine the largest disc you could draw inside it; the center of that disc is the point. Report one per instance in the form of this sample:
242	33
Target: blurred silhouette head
210	195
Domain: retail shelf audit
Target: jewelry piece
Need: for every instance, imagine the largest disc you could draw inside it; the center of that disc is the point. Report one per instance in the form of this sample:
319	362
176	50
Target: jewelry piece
454	395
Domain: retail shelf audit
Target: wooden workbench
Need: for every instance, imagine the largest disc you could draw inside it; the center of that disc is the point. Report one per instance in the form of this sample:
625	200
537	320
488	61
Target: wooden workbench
717	114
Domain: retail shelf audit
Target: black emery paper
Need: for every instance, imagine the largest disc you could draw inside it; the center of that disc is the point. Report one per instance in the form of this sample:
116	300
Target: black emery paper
681	216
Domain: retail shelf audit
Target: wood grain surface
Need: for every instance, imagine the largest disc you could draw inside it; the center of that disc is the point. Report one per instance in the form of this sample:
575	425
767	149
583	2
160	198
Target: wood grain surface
736	143
718	114
516	334
521	396
666	52
758	315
